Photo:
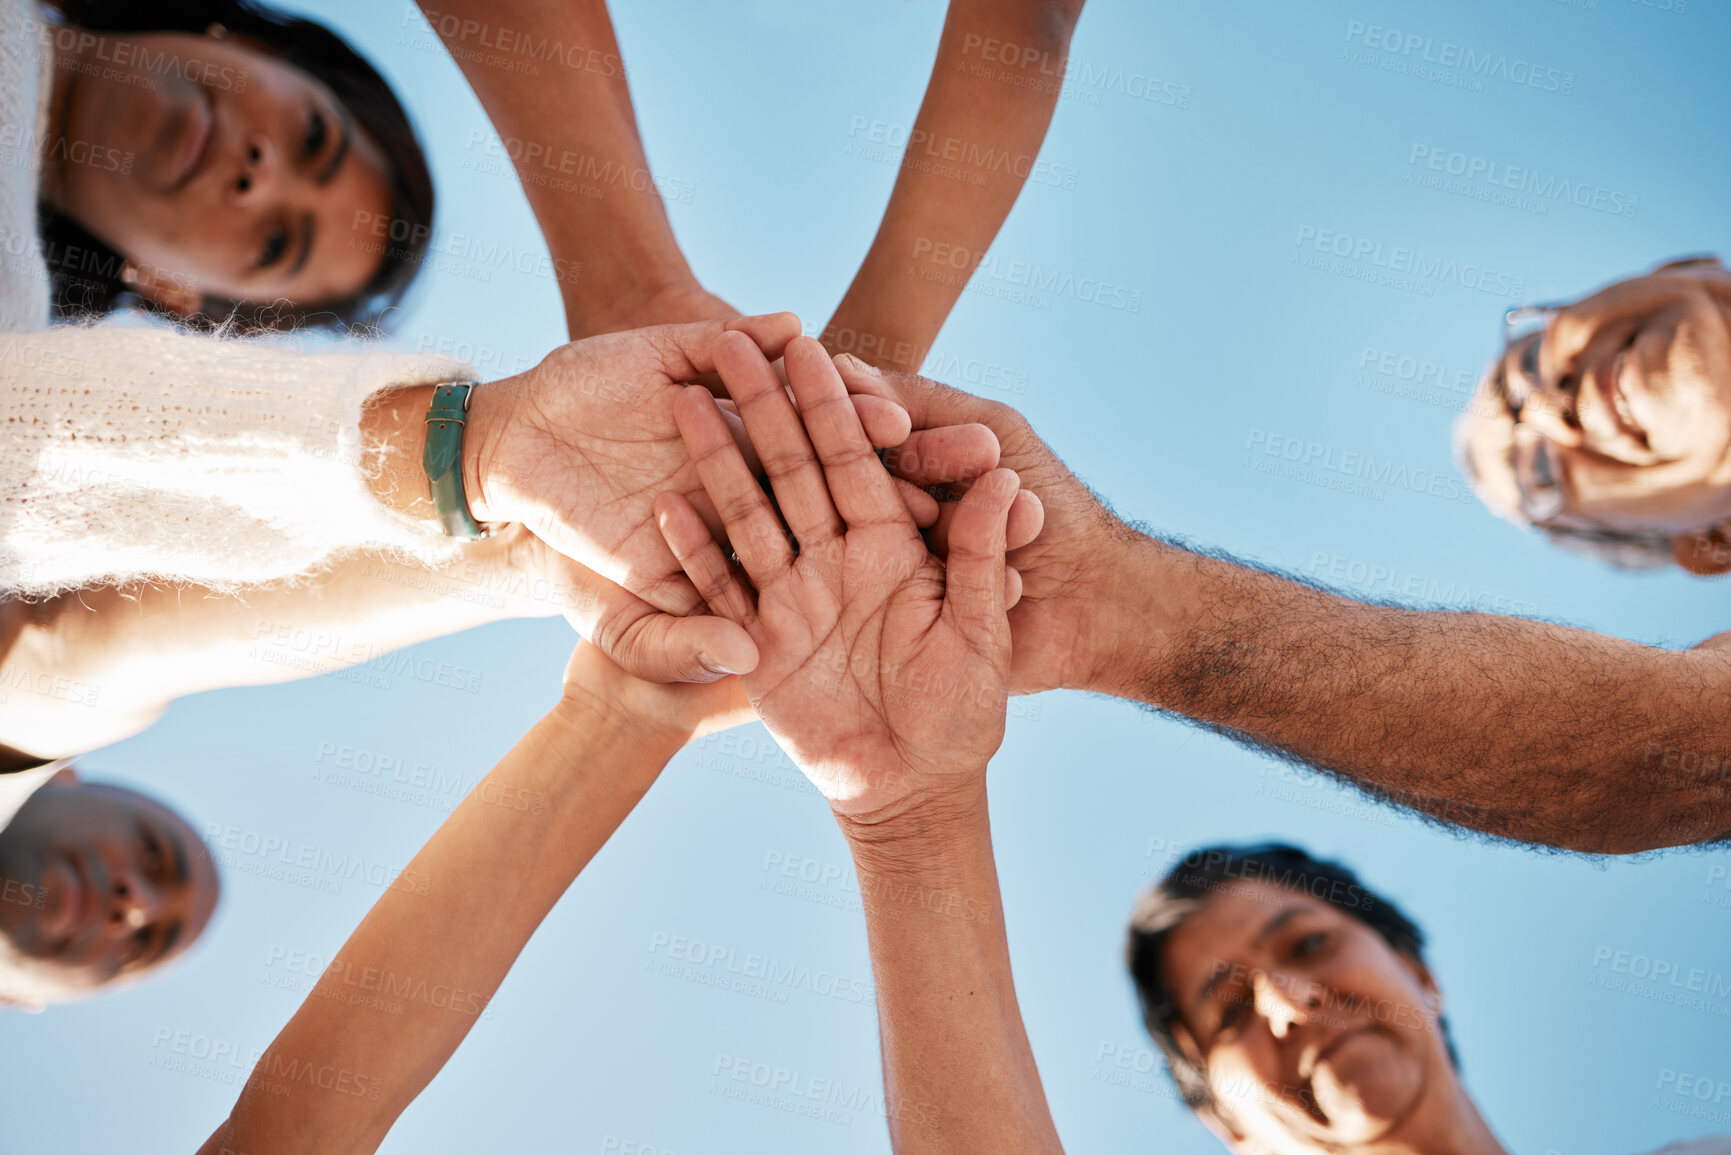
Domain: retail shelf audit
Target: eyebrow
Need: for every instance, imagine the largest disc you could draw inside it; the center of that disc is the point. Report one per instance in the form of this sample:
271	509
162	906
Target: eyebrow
181	870
1268	928
309	227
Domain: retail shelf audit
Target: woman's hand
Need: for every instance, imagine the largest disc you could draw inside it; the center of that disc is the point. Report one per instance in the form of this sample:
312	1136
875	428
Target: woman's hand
882	671
593	681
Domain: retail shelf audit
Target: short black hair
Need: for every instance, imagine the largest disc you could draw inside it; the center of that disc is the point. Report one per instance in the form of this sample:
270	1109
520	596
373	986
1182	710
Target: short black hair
1162	910
84	272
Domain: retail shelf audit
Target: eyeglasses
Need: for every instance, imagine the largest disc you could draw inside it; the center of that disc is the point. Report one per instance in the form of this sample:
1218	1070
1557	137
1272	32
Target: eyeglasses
1538	477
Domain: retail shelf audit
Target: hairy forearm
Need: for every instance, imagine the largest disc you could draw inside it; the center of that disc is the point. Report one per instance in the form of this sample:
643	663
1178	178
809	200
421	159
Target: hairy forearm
568	127
999	69
454	921
1520	729
959	1074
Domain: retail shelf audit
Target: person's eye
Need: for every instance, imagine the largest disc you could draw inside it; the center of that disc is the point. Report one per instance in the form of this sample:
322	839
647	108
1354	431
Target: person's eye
1309	944
274	246
317	131
153	857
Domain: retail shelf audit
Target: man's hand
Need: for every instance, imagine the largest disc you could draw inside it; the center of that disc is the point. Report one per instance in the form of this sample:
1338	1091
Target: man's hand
882	671
1062	638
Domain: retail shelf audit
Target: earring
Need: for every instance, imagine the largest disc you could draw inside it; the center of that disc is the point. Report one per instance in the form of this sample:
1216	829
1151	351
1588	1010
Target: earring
216	31
128	273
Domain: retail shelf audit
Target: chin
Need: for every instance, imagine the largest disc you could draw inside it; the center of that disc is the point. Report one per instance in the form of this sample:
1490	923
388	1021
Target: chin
1369	1087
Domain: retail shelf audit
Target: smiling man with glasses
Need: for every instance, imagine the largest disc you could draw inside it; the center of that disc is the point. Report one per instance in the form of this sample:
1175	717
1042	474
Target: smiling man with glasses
1606	423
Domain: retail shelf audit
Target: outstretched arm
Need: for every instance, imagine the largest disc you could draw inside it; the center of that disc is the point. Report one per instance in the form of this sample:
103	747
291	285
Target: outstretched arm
1521	729
562	109
462	911
92	667
883	674
999	69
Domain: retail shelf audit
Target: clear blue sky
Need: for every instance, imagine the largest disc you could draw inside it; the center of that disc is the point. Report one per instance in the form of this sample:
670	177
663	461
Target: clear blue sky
1274	126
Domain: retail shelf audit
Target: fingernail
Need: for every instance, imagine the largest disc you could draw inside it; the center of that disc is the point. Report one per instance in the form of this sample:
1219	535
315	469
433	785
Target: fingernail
719	669
862	366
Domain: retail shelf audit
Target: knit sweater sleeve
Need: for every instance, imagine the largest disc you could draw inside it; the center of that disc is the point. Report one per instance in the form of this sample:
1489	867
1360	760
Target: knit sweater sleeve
132	453
25	75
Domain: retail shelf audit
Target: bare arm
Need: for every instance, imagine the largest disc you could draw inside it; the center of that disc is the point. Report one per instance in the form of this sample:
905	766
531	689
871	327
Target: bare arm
959	1072
999	69
1517	728
98	665
1520	729
462	911
569	125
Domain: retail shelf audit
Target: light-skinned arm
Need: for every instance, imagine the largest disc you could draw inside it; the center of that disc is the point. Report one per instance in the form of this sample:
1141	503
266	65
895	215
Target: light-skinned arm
95	666
1521	729
883	674
570	129
999	69
491	873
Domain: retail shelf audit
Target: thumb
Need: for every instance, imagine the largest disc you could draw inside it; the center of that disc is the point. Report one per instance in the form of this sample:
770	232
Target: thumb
974	574
654	646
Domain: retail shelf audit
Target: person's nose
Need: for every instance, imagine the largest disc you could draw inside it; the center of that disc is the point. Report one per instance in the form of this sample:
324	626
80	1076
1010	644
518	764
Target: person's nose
259	171
1284	999
132	904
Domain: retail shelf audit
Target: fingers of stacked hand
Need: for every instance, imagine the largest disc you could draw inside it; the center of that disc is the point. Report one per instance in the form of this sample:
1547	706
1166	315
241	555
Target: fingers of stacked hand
741	505
862	491
704	563
779	435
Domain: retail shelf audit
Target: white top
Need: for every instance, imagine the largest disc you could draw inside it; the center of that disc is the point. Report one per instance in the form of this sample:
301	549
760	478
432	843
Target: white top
129	453
26	75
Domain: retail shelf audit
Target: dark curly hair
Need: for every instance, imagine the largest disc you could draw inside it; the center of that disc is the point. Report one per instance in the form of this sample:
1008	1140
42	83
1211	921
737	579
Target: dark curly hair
1162	910
84	272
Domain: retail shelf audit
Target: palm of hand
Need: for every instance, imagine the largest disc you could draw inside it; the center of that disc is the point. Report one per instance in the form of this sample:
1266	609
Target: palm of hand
867	681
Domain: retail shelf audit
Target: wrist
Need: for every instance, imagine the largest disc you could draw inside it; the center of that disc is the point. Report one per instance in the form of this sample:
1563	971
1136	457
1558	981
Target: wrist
596	721
489	413
920	828
1136	611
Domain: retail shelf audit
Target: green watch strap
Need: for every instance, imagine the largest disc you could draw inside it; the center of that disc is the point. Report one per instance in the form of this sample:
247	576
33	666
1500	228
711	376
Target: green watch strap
442	458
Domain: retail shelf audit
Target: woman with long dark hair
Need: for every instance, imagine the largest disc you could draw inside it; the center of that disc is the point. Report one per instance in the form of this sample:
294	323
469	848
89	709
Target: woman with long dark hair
218	160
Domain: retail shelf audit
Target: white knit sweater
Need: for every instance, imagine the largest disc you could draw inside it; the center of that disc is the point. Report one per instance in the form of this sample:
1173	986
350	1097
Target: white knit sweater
129	453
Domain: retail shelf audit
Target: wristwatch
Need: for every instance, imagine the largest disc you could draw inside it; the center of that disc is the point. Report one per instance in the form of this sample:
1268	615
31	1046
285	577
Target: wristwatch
442	458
